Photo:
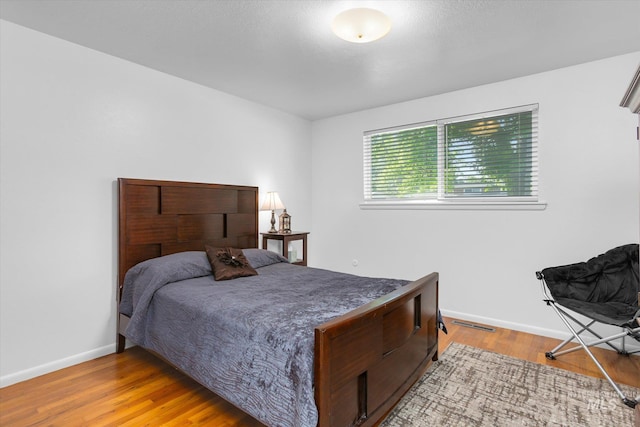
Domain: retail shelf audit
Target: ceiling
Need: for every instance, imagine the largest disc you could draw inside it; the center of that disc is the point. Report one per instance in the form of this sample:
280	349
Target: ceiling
281	53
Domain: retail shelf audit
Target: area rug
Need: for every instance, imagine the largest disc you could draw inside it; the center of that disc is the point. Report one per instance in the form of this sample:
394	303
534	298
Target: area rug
468	386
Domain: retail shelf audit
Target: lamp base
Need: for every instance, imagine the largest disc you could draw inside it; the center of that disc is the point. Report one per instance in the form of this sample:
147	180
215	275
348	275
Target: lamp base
273	222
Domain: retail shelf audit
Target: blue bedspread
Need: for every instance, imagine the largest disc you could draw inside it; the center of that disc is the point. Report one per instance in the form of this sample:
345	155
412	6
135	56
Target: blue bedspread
251	339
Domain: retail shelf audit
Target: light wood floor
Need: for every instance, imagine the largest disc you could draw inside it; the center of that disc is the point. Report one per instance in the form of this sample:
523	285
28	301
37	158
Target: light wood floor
136	389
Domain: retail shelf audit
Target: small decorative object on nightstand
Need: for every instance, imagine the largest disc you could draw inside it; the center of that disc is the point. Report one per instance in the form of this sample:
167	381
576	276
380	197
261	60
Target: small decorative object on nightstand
285	238
285	222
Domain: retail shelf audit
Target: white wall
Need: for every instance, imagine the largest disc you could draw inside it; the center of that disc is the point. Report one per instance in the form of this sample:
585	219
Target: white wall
73	121
589	177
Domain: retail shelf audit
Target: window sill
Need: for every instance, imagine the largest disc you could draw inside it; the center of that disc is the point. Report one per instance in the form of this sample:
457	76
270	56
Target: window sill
453	205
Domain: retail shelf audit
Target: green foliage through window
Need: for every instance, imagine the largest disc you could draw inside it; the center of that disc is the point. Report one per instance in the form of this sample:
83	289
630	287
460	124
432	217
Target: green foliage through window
404	163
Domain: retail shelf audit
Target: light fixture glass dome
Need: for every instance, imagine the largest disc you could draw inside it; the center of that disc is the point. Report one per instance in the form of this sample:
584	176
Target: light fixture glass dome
361	25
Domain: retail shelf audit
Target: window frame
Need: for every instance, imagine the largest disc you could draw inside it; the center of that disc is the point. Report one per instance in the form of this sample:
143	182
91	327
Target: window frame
441	201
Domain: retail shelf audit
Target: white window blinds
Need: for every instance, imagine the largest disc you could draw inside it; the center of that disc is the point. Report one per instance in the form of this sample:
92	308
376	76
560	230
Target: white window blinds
487	156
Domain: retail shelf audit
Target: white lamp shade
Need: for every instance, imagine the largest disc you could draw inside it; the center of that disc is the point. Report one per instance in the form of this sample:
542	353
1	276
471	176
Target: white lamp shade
361	25
271	202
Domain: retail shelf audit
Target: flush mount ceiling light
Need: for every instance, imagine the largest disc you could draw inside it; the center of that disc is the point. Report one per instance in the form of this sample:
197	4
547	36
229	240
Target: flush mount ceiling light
361	25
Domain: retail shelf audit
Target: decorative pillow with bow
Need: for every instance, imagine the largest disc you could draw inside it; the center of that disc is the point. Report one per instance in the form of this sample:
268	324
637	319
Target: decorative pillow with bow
229	263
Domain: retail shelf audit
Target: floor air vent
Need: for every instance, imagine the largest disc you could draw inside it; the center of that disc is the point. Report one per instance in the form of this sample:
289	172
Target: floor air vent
473	325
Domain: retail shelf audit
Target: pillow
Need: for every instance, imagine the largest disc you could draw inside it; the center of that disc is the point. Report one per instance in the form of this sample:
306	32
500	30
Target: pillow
262	257
156	272
229	263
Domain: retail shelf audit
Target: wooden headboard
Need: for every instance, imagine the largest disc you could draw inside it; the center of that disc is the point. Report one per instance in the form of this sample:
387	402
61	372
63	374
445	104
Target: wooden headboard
158	218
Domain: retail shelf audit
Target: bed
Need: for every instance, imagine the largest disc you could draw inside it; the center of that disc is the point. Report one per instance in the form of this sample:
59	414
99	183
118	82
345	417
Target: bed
346	365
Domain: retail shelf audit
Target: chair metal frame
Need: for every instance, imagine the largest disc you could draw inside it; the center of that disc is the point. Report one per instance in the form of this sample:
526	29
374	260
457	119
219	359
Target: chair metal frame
564	315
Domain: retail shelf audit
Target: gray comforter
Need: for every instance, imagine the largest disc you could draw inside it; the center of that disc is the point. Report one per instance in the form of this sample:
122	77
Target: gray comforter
251	339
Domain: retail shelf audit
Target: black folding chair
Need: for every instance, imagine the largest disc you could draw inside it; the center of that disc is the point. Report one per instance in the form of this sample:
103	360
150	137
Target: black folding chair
605	289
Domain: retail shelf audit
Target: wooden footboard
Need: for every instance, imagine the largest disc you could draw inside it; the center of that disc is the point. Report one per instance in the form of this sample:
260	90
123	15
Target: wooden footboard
367	359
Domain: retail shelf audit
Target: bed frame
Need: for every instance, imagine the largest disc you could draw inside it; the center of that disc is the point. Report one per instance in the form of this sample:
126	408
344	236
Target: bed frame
365	360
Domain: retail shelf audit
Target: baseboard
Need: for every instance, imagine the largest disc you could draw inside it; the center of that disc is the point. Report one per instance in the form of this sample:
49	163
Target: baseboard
7	380
631	345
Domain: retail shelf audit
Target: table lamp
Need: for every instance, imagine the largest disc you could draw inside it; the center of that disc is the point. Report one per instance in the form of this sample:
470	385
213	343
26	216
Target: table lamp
271	203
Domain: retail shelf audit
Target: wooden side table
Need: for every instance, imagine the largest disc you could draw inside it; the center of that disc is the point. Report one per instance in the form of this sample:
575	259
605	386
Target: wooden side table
285	238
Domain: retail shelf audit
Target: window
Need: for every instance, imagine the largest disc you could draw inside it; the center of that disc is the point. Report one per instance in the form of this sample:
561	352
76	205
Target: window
481	159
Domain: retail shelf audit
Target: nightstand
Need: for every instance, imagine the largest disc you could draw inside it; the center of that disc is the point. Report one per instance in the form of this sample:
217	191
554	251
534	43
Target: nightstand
285	238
